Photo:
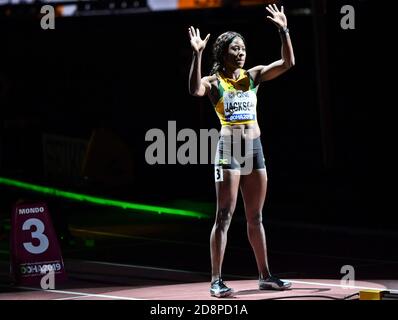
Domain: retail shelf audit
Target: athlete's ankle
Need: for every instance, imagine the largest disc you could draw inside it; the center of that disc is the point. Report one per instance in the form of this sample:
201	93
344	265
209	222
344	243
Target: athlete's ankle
264	275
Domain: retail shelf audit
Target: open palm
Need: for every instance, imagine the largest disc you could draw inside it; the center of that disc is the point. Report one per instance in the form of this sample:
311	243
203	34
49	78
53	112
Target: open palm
278	17
197	43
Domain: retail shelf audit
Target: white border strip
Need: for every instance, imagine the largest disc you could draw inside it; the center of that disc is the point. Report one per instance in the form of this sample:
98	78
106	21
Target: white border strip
79	294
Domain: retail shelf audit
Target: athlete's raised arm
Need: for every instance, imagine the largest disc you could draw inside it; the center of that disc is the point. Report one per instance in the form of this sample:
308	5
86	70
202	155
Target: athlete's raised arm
197	85
274	69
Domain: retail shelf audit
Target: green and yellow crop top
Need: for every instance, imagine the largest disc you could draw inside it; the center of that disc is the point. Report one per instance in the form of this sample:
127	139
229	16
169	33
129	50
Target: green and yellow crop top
238	100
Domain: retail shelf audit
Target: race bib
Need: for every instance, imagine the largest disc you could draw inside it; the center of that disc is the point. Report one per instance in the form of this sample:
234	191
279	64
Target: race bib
240	105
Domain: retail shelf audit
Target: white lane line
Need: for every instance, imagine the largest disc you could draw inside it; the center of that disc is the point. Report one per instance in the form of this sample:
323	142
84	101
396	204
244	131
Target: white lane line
81	294
340	285
73	298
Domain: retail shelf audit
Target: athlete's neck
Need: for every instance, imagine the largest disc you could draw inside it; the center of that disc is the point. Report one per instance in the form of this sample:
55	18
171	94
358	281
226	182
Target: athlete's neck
231	73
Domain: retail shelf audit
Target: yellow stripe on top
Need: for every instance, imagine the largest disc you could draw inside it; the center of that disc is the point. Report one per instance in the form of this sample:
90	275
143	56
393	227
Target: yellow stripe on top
238	100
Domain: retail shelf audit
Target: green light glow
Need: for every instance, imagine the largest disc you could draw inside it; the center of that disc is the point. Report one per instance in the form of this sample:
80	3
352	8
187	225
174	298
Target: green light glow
99	201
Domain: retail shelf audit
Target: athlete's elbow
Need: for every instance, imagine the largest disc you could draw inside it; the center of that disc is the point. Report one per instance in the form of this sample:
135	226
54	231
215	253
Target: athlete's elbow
289	63
191	91
195	92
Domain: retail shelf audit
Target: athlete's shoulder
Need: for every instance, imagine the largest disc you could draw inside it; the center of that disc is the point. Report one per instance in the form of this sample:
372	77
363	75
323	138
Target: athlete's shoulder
252	72
212	79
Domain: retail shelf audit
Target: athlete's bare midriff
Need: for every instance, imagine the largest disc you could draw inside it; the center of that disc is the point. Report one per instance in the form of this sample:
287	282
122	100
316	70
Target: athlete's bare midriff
246	131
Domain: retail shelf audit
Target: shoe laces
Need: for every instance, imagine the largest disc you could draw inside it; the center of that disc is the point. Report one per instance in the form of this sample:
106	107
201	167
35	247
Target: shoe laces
220	283
273	279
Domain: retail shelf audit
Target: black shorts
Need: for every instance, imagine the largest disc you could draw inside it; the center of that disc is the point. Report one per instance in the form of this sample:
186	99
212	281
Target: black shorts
241	154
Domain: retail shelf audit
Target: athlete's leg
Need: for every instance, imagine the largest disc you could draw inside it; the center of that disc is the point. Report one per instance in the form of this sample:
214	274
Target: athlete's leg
227	192
254	188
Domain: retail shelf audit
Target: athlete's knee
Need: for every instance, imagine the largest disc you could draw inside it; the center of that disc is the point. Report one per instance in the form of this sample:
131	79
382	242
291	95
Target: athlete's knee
224	217
255	219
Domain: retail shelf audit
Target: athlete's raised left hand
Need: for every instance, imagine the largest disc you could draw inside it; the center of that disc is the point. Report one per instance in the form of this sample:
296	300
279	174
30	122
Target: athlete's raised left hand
278	17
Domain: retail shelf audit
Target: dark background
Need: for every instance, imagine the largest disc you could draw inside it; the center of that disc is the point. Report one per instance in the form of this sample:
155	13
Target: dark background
127	74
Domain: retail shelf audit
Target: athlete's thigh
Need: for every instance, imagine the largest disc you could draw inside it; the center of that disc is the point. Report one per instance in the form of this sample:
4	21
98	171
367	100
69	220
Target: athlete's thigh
254	188
227	187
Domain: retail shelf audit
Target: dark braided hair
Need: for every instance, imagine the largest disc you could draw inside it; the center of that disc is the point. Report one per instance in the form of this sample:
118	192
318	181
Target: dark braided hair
220	46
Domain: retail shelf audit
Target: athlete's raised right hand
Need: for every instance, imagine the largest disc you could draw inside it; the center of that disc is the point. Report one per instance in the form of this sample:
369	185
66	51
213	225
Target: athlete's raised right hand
197	43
